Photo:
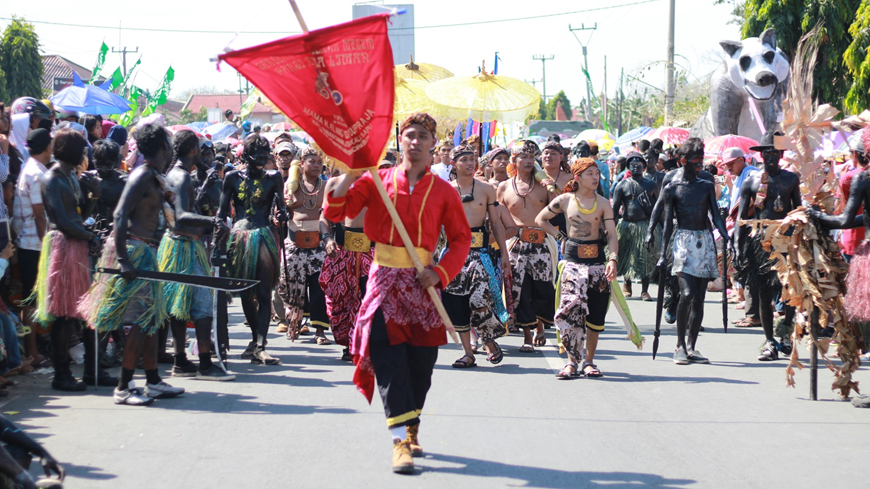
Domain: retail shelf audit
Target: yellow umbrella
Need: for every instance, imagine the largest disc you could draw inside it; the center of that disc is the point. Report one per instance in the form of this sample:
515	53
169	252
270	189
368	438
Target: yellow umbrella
410	98
423	72
484	98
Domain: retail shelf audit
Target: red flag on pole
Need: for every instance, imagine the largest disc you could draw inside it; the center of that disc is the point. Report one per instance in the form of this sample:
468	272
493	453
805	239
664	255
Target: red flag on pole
341	85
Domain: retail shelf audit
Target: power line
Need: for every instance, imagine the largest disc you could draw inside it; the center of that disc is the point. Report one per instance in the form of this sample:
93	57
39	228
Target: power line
182	31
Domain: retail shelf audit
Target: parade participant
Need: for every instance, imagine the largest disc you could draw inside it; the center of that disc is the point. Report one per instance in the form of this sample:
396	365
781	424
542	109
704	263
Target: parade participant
182	250
473	298
531	252
305	250
63	262
443	165
768	194
107	158
498	160
253	243
692	201
857	299
345	273
114	300
651	151
553	164
632	201
584	279
672	290
16	456
398	329
851	238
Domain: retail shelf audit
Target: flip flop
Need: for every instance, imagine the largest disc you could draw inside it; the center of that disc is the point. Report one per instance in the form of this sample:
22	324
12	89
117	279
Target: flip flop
322	340
527	348
539	340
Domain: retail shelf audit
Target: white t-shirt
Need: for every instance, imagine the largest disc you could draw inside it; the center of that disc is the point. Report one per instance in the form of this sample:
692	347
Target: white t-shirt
26	195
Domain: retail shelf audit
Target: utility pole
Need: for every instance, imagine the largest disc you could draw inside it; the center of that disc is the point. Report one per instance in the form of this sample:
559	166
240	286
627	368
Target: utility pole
585	63
604	105
124	61
533	82
669	94
543	59
620	102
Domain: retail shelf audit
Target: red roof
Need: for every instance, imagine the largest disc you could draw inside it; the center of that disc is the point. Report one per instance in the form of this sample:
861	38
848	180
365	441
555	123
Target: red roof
221	101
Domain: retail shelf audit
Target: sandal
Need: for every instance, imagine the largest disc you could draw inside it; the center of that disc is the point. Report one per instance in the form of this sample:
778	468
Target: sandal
539	340
322	340
566	374
465	361
748	324
527	348
593	373
497	356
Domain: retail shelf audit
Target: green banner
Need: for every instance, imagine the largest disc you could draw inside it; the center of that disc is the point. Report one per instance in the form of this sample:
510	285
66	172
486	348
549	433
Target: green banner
126	118
117	79
127	78
161	95
101	60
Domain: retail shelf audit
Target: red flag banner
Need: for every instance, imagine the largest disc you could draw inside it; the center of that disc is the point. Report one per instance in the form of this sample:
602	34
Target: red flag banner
336	83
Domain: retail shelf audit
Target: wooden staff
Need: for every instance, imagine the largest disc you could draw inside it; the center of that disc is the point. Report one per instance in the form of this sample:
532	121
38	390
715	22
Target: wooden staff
400	226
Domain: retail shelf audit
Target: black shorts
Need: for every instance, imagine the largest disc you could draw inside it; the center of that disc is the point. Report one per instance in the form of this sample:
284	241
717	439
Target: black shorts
28	268
598	303
537	301
458	310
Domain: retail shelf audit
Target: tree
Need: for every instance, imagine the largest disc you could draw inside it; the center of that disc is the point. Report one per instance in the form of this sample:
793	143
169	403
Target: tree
542	111
559	99
186	116
20	60
857	61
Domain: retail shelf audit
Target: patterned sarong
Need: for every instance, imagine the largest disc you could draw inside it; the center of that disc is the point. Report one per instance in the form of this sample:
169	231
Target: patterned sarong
695	253
583	298
478	280
340	281
64	278
293	288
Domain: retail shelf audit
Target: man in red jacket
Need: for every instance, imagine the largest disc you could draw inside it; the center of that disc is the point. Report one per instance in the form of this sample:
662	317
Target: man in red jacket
398	330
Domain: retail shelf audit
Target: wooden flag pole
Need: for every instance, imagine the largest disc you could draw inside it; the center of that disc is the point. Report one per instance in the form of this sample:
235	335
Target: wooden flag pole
397	221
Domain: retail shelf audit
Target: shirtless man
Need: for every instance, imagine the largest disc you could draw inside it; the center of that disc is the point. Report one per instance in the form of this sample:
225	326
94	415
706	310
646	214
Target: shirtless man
473	298
107	158
768	194
531	252
118	300
63	275
692	201
305	251
345	274
585	279
632	200
253	243
182	250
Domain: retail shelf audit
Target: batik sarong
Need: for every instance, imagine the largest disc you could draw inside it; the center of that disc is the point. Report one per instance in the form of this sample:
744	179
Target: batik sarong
300	286
584	295
343	282
243	251
694	253
180	254
473	298
113	301
63	279
635	261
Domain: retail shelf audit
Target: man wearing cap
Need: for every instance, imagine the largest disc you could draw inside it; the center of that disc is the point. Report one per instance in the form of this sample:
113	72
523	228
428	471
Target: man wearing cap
532	250
768	194
632	200
473	298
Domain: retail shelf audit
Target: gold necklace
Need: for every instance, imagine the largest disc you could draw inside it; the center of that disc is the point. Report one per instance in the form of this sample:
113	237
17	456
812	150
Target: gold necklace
585	211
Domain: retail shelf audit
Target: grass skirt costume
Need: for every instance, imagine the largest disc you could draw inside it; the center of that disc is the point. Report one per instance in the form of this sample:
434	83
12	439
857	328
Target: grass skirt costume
64	277
302	286
857	300
635	261
533	272
113	301
473	298
756	268
695	253
243	251
343	280
583	298
181	254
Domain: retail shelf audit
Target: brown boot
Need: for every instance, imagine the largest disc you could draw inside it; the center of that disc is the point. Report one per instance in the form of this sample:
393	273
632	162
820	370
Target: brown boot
402	461
413	442
626	289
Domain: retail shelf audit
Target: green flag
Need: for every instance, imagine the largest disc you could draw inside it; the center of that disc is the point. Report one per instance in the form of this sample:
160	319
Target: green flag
127	77
101	59
126	118
161	94
117	79
249	103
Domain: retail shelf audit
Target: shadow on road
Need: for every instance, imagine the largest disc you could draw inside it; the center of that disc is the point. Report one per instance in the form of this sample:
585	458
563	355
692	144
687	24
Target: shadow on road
623	377
86	472
550	478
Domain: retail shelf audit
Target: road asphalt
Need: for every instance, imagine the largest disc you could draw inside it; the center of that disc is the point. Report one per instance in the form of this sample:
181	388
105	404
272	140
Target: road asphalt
646	423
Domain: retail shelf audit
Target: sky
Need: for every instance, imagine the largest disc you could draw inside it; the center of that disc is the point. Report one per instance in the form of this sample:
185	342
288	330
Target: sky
633	38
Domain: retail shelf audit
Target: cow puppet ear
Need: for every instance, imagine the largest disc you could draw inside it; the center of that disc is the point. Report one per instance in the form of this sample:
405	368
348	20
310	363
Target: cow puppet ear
768	37
731	47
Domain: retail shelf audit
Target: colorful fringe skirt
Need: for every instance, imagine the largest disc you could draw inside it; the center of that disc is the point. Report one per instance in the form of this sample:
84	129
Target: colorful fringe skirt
64	277
243	251
180	254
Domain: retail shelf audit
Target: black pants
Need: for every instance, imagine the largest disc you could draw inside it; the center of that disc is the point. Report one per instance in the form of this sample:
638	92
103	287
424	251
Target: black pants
316	303
28	268
403	373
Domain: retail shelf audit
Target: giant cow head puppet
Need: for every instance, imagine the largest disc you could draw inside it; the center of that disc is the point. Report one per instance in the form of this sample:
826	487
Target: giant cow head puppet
756	64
